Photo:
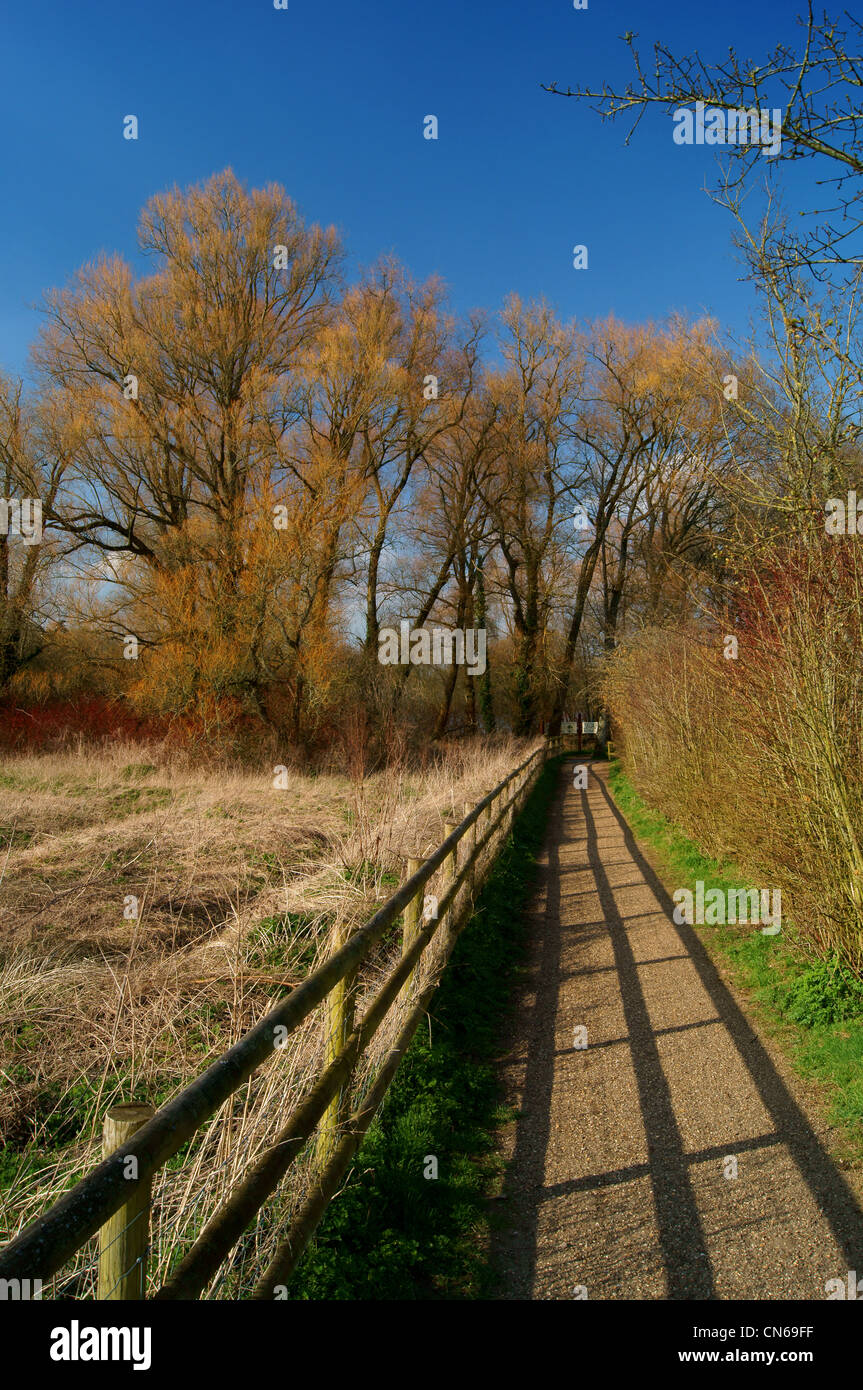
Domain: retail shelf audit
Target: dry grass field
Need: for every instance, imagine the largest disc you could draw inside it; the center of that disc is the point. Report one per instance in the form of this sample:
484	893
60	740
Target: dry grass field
150	914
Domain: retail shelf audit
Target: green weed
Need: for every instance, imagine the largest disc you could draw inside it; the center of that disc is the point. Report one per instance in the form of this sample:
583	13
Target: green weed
393	1233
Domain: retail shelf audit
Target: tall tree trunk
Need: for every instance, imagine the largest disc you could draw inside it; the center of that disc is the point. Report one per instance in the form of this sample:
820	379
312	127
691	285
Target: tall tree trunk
443	712
372	624
525	690
585	579
486	701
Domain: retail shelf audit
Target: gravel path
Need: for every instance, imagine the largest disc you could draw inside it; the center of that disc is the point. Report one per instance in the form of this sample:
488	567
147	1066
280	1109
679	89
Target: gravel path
617	1182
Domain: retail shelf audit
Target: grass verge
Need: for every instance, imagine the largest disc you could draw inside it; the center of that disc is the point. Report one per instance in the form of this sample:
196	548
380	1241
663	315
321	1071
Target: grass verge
394	1232
813	1007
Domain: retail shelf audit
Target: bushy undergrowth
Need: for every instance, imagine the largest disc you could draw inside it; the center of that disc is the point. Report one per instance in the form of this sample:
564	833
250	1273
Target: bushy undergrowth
757	757
58	724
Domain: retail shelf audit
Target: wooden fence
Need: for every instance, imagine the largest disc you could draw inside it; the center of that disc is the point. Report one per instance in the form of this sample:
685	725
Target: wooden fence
114	1198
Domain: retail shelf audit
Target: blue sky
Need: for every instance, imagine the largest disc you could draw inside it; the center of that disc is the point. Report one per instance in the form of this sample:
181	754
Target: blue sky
328	98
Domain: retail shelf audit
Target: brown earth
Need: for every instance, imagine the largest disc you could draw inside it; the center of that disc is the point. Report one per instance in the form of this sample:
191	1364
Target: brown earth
617	1180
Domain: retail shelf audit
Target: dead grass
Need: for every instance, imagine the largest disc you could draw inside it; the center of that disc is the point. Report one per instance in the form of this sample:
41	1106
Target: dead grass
240	888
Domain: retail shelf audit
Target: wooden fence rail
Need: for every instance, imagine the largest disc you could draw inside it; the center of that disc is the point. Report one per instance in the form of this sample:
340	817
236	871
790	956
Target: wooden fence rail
117	1191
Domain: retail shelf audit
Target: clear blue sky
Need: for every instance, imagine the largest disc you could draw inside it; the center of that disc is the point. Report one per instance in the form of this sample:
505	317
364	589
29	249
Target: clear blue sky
328	98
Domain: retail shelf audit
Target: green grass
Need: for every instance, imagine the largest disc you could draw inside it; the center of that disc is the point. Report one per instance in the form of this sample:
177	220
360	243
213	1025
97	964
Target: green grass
64	1115
369	875
68	1113
133	770
265	859
15	781
284	941
393	1233
140	799
11	838
813	1007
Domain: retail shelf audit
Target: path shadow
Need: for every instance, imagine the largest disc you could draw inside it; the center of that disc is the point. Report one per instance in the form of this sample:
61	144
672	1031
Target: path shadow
683	1246
829	1189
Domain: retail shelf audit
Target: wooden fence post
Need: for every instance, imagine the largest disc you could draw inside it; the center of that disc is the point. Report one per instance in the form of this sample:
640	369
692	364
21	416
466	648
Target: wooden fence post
471	849
339	1006
522	791
450	868
411	922
125	1238
482	826
508	813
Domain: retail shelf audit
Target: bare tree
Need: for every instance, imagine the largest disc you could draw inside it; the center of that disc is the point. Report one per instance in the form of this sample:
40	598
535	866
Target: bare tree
641	405
33	460
529	492
421	369
817	86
